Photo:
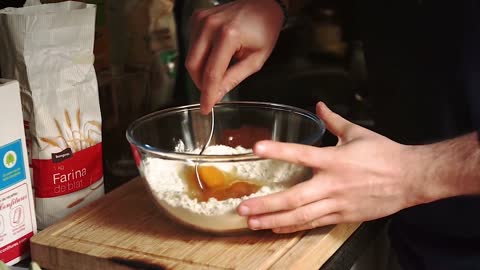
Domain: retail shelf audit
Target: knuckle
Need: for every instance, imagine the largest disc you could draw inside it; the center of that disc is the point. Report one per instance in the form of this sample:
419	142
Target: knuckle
350	214
230	85
190	65
349	209
303	216
330	219
294	200
346	207
211	22
317	223
224	91
311	225
334	188
297	156
306	158
291	229
272	222
266	206
341	216
211	75
199	15
229	31
256	65
347	217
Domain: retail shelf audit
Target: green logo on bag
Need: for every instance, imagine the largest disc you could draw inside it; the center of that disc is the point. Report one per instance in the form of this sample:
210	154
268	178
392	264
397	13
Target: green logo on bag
10	159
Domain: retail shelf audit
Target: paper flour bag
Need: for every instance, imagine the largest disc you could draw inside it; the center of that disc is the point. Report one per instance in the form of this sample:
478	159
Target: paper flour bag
49	50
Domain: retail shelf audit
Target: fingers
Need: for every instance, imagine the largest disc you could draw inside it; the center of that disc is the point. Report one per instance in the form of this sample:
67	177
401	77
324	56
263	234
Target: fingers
301	215
232	77
330	219
216	66
333	122
297	196
242	70
306	155
202	32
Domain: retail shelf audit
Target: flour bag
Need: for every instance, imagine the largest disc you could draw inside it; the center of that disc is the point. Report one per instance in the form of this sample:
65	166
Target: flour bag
49	49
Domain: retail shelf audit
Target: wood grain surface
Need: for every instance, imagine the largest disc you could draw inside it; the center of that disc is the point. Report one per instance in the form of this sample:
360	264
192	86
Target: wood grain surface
124	230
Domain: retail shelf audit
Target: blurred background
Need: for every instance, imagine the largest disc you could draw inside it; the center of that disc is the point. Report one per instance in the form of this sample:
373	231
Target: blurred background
140	48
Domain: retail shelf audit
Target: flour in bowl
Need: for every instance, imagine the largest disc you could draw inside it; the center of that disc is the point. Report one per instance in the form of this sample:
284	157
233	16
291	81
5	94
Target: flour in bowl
166	180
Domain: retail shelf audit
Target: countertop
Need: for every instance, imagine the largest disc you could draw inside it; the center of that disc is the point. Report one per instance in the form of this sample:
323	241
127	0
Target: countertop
346	250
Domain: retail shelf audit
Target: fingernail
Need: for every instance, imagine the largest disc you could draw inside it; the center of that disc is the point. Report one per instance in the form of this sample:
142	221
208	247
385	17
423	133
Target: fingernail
254	223
243	210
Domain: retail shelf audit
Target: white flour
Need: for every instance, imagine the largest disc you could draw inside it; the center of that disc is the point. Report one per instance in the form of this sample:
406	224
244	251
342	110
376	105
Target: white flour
165	179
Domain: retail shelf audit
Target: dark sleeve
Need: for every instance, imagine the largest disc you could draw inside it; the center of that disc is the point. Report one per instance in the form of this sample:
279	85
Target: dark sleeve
295	7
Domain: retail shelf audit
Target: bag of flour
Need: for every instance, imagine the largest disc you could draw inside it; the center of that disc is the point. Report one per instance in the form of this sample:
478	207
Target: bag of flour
49	50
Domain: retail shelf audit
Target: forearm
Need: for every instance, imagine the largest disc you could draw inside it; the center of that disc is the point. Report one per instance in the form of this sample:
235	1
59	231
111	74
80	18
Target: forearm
449	168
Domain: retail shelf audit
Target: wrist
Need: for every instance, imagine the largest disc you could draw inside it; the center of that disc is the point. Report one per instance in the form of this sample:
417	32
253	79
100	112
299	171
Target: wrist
426	186
446	169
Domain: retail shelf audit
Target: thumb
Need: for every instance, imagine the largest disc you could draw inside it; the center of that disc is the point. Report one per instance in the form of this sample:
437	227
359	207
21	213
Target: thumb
336	124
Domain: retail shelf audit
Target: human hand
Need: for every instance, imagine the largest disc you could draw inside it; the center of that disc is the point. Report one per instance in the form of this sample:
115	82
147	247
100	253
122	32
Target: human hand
243	30
366	176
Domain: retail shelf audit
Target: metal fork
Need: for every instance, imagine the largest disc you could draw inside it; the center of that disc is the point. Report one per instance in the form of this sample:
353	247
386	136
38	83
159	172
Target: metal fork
212	126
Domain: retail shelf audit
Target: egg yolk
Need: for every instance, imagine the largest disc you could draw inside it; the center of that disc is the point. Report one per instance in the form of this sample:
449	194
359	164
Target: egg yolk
218	184
211	177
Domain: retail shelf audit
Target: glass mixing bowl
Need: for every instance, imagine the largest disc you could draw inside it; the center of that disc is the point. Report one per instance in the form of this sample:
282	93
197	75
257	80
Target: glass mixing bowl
162	144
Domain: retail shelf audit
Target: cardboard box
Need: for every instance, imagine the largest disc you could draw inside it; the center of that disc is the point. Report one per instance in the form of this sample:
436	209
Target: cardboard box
17	216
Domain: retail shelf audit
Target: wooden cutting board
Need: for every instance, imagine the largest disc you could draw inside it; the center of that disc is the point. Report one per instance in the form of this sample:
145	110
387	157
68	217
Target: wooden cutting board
124	230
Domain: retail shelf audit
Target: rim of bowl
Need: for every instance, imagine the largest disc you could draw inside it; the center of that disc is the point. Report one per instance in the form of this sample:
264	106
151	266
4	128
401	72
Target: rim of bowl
215	158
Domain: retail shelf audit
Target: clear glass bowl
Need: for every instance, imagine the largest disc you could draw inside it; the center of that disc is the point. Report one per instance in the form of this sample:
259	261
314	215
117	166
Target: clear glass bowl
161	143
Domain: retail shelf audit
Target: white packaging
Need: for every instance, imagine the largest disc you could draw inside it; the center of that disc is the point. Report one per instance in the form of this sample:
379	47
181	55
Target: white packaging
49	50
17	216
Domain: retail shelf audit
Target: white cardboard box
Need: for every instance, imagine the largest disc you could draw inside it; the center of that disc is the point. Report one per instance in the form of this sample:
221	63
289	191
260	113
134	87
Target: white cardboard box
17	212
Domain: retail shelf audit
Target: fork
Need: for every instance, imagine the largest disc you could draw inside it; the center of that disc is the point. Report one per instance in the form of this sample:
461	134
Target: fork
212	126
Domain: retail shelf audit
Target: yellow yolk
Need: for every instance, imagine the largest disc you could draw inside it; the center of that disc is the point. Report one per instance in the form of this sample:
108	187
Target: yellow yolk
211	177
217	184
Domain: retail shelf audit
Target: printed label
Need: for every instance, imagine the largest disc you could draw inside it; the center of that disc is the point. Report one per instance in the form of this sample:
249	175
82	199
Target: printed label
16	222
61	156
83	168
12	167
16	248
